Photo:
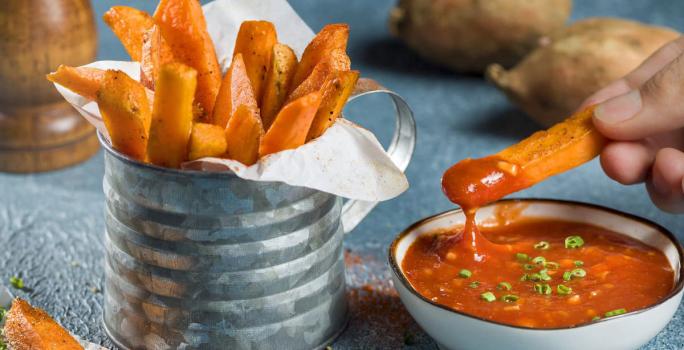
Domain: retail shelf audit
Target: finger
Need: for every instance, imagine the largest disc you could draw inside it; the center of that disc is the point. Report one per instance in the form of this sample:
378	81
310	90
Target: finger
656	107
654	63
627	162
666	186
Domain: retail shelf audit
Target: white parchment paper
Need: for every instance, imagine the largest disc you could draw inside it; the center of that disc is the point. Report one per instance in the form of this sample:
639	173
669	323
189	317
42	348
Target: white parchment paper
347	160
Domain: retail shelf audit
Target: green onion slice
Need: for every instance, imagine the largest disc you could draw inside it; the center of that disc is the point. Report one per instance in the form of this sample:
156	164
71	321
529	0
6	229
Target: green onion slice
464	273
595	318
573	242
488	297
562	289
524	277
528	267
474	284
544	275
579	263
504	286
542	288
522	257
578	273
567	275
615	312
542	245
16	282
540	260
551	265
510	298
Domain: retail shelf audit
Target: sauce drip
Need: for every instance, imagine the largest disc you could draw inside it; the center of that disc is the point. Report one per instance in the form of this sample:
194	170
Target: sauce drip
472	183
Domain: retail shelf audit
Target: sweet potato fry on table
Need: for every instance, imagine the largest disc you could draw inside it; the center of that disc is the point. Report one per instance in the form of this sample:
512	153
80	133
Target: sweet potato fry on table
291	126
126	113
475	182
84	81
155	53
277	84
129	25
236	90
331	37
255	42
337	60
29	328
172	115
206	140
335	92
243	135
183	27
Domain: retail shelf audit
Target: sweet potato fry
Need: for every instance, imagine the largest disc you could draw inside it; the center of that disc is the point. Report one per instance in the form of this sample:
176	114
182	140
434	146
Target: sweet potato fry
291	126
183	27
236	90
172	115
29	328
255	42
331	37
337	60
335	92
84	81
129	25
207	140
564	146
155	53
277	85
243	135
126	113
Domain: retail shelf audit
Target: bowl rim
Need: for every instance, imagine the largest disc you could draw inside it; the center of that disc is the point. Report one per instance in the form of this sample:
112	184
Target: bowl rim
679	285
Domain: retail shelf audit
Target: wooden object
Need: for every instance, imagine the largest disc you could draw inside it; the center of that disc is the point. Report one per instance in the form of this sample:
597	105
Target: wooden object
39	131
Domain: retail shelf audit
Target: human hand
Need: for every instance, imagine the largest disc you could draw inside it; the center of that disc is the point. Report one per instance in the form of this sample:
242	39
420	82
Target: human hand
643	116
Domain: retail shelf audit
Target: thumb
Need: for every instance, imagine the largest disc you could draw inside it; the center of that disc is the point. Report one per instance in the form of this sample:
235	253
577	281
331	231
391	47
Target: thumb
655	107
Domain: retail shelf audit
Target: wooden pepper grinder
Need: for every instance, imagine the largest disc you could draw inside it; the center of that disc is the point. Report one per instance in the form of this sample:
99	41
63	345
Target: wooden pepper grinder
39	131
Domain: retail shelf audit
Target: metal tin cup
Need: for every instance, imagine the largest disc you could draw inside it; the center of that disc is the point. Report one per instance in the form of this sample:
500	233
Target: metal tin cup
207	260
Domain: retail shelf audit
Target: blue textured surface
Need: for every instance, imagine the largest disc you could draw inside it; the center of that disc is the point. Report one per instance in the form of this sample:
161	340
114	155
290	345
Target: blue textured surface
51	225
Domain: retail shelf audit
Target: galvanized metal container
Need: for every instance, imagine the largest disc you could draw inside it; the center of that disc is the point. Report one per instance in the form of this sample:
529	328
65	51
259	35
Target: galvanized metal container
201	260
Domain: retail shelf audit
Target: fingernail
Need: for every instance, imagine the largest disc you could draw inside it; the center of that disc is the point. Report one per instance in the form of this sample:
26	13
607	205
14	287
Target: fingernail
619	109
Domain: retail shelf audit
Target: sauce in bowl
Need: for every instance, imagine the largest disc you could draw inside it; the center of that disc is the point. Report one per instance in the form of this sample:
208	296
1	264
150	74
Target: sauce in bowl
545	273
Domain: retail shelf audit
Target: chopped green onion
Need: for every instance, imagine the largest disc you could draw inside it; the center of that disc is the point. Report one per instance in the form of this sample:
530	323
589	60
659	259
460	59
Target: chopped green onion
615	312
542	245
551	265
522	257
579	263
567	275
578	273
595	318
573	242
474	284
488	297
544	274
510	298
563	289
528	267
465	273
540	260
504	286
534	277
524	277
542	288
3	312
16	282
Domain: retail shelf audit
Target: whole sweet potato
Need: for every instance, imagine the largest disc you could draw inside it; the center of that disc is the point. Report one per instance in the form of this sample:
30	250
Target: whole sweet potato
467	35
574	62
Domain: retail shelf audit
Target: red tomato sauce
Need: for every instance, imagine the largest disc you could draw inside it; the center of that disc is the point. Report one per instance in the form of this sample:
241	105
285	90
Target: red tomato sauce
619	274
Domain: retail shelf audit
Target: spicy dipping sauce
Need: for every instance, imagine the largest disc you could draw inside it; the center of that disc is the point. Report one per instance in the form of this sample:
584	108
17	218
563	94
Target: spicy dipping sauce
547	274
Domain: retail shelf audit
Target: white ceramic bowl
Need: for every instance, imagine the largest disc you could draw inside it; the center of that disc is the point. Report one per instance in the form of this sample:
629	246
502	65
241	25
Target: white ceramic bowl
455	330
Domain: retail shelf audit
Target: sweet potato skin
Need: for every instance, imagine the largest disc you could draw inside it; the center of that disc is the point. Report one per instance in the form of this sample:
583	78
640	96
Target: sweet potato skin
277	84
255	42
84	81
129	25
183	27
291	126
331	37
206	140
172	115
575	62
335	92
243	135
466	35
126	113
155	53
29	328
236	90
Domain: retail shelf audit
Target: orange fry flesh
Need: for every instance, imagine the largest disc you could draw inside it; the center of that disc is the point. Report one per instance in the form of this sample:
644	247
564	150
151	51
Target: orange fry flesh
255	42
277	84
129	25
183	27
336	61
331	37
236	90
243	135
335	92
155	53
206	140
84	81
27	327
291	126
